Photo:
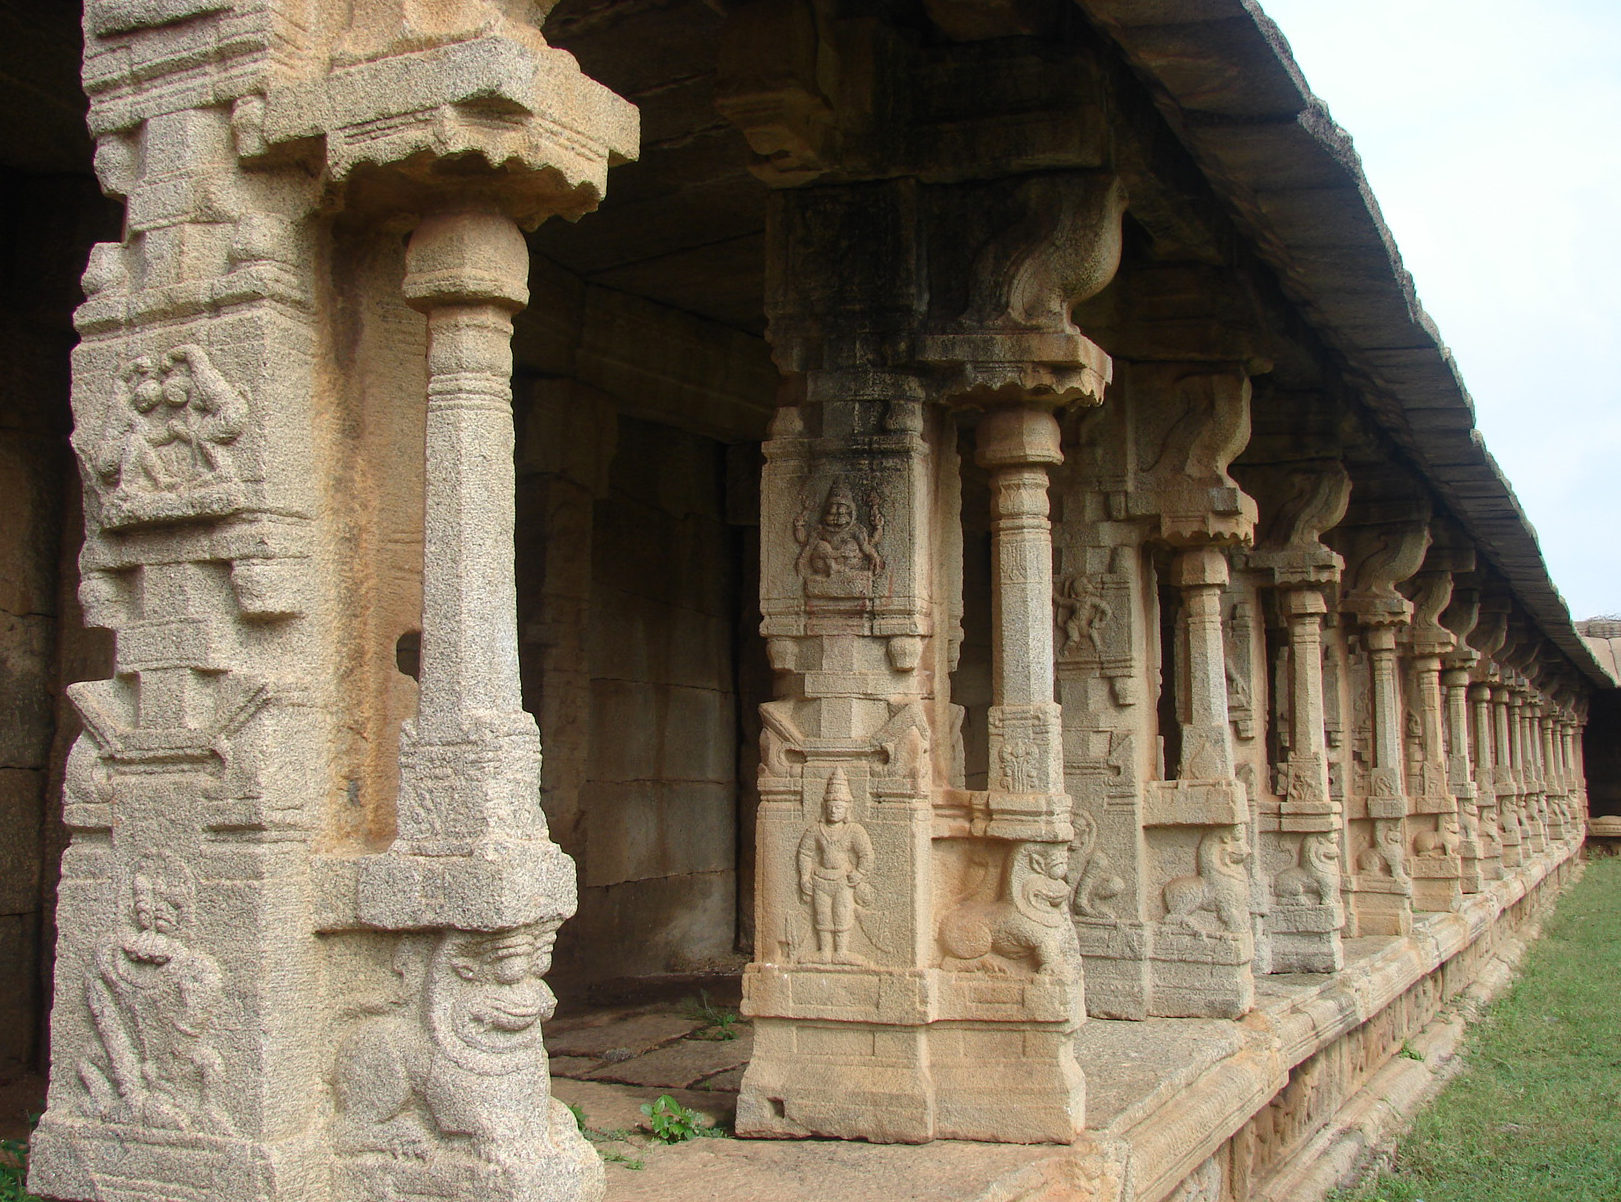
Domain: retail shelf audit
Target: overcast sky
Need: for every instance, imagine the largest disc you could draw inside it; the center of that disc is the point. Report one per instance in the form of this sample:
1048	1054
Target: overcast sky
1491	133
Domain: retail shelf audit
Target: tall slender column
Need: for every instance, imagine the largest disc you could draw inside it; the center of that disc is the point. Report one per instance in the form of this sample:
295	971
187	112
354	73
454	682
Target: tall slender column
1384	887
1307	910
472	862
1535	817
1461	774
1017	444
1483	755
1552	777
1434	827
1505	777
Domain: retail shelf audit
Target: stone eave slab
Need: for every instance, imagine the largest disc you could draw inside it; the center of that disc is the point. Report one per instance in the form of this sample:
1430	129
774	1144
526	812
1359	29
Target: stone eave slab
1224	78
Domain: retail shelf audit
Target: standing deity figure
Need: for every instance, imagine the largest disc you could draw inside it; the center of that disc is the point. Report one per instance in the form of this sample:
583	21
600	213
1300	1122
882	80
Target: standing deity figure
835	857
838	547
155	1001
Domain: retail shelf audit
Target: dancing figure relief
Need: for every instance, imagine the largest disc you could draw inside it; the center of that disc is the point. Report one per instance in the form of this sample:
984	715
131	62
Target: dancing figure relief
155	1001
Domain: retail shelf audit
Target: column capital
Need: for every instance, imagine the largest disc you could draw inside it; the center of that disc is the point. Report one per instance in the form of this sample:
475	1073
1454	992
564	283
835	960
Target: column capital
467	257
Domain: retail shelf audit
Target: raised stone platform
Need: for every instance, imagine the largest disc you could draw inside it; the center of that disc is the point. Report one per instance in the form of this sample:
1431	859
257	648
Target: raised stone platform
1276	1107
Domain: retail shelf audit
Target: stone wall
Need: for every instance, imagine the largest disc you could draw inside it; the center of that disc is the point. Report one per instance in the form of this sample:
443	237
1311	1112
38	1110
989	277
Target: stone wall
657	835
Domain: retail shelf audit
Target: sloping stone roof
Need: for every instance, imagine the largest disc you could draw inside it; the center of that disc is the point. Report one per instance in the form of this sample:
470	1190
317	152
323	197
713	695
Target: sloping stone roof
1224	78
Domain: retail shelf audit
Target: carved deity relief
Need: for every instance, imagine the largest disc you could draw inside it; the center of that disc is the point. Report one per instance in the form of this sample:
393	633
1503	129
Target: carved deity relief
835	858
1082	615
1096	884
456	1083
155	1001
1220	887
838	552
1019	924
164	450
1315	880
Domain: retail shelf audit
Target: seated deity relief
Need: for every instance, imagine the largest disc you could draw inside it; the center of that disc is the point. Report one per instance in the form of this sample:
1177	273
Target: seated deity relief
155	1001
164	450
838	552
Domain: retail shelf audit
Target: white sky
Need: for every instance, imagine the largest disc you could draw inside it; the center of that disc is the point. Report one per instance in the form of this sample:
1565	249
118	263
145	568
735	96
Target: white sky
1491	133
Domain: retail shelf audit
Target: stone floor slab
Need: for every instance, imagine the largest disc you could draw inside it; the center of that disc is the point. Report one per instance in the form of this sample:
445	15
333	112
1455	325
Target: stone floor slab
680	1064
634	1035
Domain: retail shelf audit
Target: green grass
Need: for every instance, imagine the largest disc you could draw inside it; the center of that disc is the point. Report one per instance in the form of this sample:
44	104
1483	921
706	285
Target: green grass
13	1171
1535	1114
719	1022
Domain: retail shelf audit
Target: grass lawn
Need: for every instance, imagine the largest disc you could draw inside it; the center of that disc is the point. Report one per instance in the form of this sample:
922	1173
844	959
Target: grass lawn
1536	1111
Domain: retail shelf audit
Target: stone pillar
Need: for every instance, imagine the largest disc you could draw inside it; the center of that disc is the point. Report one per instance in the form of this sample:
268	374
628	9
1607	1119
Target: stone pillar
1435	830
1016	444
1307	912
1383	887
1535	811
1460	772
1553	778
857	484
1484	760
472	863
1380	886
255	1002
1200	817
916	974
1506	779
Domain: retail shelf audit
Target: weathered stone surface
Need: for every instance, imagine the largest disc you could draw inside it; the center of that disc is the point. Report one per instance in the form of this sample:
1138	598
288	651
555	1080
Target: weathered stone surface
1109	642
681	1065
634	1035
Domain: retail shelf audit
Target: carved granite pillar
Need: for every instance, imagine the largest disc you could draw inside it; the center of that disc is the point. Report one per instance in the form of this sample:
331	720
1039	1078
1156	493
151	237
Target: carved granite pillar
1198	820
851	752
916	975
1536	822
254	1001
1553	781
1460	774
1435	831
1303	836
1016	444
1564	743
1381	886
471	862
1504	754
1483	757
